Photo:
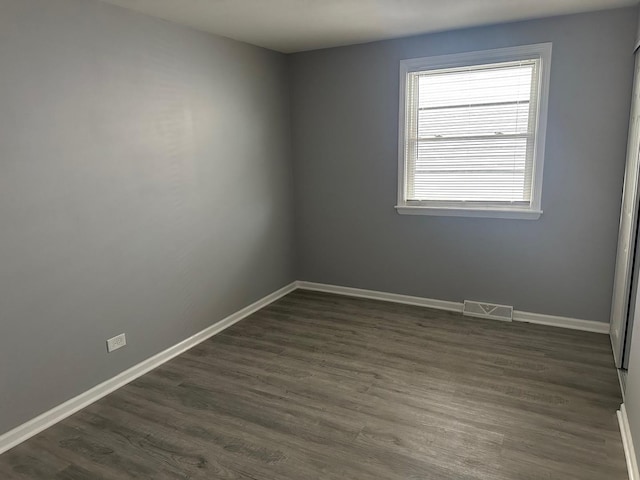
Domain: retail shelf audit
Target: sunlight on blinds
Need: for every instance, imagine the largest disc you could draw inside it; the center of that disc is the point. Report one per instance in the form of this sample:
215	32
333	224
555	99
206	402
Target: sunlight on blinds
471	133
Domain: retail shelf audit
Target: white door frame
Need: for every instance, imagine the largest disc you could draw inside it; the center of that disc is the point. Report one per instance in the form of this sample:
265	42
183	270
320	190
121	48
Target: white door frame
628	228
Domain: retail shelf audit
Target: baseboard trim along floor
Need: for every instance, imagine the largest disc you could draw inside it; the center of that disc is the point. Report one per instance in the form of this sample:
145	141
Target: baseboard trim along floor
64	410
518	316
627	443
41	422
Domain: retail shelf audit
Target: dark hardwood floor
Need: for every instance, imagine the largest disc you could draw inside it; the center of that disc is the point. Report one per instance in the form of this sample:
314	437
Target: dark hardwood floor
318	386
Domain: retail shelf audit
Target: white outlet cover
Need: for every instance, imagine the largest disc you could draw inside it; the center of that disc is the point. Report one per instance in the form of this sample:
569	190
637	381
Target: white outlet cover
116	342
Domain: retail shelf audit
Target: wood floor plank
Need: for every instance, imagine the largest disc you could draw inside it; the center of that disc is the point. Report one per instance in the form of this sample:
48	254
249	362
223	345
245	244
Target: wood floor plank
320	386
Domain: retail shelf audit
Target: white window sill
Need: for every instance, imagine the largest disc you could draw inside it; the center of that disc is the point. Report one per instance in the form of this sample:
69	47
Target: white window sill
520	214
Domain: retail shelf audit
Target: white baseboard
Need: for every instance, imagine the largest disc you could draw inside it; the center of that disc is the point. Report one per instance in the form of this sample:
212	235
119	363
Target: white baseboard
627	444
518	316
562	322
36	425
384	296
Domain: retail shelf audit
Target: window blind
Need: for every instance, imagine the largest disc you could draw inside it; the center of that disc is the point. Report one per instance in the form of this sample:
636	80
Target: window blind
470	134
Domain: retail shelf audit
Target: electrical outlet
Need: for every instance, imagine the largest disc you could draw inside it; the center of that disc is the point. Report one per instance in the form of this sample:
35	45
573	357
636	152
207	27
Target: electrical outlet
116	342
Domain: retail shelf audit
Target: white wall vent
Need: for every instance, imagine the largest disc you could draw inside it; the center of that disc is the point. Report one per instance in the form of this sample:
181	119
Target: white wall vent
488	310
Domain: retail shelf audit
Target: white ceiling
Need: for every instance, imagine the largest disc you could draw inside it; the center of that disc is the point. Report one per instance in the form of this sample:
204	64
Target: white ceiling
297	25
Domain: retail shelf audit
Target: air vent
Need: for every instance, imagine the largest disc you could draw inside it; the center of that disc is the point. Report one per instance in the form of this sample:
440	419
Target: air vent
488	310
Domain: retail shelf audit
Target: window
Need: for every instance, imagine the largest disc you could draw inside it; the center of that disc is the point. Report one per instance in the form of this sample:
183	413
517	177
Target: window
472	133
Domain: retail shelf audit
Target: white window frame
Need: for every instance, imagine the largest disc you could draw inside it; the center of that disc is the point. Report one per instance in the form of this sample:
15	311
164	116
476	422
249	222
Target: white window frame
460	209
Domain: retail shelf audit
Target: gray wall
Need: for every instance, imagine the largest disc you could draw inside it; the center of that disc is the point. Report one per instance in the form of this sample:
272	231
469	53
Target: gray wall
345	124
145	187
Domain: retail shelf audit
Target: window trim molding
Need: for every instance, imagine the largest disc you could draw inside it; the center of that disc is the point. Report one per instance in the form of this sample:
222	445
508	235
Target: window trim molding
532	212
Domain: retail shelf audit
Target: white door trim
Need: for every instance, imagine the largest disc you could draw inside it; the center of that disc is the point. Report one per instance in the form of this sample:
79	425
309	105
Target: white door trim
627	230
627	444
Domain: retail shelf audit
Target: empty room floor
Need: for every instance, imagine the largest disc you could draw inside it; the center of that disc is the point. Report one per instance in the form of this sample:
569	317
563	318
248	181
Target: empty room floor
319	386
